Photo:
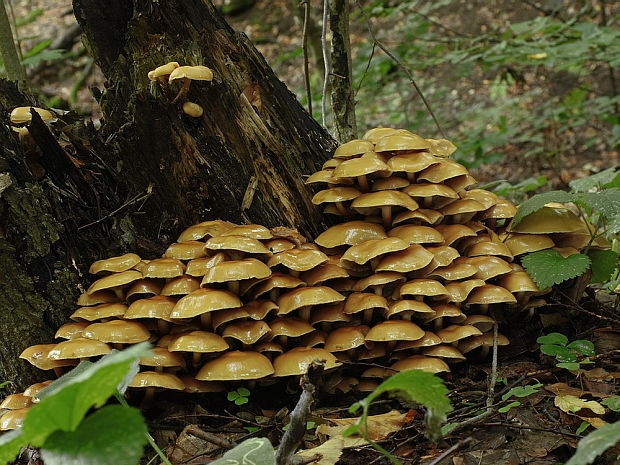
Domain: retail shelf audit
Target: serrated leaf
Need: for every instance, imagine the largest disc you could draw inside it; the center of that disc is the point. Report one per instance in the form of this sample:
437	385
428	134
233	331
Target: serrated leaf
596	180
553	338
548	267
538	201
604	263
507	408
572	404
607	203
582	347
612	403
562	354
256	451
595	443
110	436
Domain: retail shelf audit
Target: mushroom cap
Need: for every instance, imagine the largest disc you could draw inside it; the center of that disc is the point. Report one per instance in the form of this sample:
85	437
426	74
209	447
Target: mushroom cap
277	281
345	338
483	340
484	197
373	135
34	389
248	332
239	243
279	245
455	271
306	296
329	313
327	176
518	281
78	348
503	209
202	301
22	114
429	339
395	330
424	190
115	264
459	290
255	231
401	141
441	171
163	70
350	233
117	332
384	199
443	255
143	288
441	147
164	268
219	317
422	287
159	307
186	250
197	341
419	216
353	148
192	109
368	163
114	280
421	362
323	273
483	322
236	270
298	259
193	386
98	312
444	351
297	361
382	278
490	294
199	267
412	258
548	220
195	73
146	379
526	243
453	232
366	251
445	311
37	355
236	365
489	248
269	347
454	333
415	234
404	305
389	183
206	228
489	267
360	301
566	251
180	286
99	297
70	330
162	357
335	194
289	326
16	401
259	309
411	162
13	419
331	164
462	206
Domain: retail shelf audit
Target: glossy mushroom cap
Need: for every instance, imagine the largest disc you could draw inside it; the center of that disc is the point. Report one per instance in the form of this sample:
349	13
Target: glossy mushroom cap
203	301
350	233
296	361
163	70
149	379
195	73
115	264
117	332
421	362
236	365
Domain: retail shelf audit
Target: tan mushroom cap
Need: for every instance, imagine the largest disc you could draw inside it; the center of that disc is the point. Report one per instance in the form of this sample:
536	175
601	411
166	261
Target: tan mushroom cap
236	365
526	243
548	220
498	249
195	73
163	70
21	115
143	288
197	341
484	197
404	305
460	183
114	280
395	330
323	273
389	183
16	401
99	312
441	147
117	332
490	294
277	281
290	326
484	323
154	379
489	267
401	141
159	307
331	164
422	287
314	339
443	255
306	296
298	259
326	176
429	339
236	270
345	338
164	268
259	309
445	311
459	207
368	163
206	228
454	333
421	362
162	357
360	301
219	317
424	190
483	340
411	162
115	264
201	266
453	232
255	231
373	135
379	279
297	361
444	351
353	148
366	251
455	271
442	170
350	233
580	240
78	348
37	355
71	330
99	297
34	389
193	386
329	313
204	301
269	347
380	199
566	251
503	209
238	243
518	281
279	245
187	250
248	332
460	290
180	286
412	258
419	216
415	234
13	419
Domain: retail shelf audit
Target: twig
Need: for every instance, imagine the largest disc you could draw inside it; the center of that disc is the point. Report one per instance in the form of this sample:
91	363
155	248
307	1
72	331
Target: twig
219	441
493	377
372	54
532	428
401	65
478	418
325	63
449	451
304	47
137	198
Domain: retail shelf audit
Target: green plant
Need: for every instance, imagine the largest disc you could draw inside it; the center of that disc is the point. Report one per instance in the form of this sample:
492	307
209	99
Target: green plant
239	396
567	355
519	391
595	443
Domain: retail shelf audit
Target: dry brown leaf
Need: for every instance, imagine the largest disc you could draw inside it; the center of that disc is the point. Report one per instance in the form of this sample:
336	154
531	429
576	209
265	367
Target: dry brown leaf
563	389
572	404
330	451
379	426
594	421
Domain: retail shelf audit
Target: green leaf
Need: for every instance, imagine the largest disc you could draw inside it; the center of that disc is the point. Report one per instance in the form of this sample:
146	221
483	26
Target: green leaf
548	267
506	408
241	400
256	451
607	203
595	443
604	263
538	201
612	403
232	395
582	347
596	180
110	436
251	429
570	366
582	427
522	391
11	443
553	338
562	354
445	429
5	384
243	391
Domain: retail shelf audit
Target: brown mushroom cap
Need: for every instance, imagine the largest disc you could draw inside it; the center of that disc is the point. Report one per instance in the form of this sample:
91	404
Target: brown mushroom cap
117	332
99	297
422	287
323	273
484	197
445	311
520	244
350	233
426	190
503	209
200	266
197	341
34	389
368	163
203	301
219	317
419	216
206	228
484	323
307	296
389	183
366	251
411	162
37	355
441	147
335	194
259	309
159	307
163	70
162	357
296	361
248	332
518	281
193	386
412	258
483	340
71	330
195	73
460	290
360	301
454	333
490	294
78	348
444	351
279	245
21	115
329	313
153	379
548	220
414	234
114	280
398	141
186	250
236	270
115	264
421	362
255	231
298	259
429	339
455	271
353	148
373	135
289	326
180	286
489	248
442	170
346	338
164	268
489	267
277	281
98	312
236	365
16	401
377	280
373	200
415	306
13	419
395	330
453	232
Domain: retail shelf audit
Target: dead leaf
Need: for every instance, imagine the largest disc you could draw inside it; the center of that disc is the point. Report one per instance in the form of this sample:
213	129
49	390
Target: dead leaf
594	421
563	389
572	404
330	451
379	426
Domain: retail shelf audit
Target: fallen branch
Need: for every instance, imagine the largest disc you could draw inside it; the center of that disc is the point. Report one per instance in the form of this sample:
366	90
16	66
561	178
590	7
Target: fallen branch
449	451
219	441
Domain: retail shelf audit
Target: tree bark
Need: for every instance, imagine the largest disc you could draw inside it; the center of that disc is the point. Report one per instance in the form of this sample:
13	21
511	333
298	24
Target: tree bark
150	170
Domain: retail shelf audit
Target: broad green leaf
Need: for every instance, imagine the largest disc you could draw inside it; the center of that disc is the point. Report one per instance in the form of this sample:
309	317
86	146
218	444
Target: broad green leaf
612	403
562	354
570	366
553	338
582	347
243	391
548	267
110	436
232	395
607	203
241	400
11	443
522	391
604	263
255	451
538	201
507	408
596	180
595	443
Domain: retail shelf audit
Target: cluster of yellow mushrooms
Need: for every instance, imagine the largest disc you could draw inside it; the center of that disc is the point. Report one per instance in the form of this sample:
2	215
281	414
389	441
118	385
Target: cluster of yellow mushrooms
410	278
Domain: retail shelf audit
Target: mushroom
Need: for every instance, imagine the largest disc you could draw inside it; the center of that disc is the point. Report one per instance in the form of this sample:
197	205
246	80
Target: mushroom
164	268
360	168
34	389
330	313
150	380
323	273
115	264
233	271
420	288
432	196
364	302
373	135
353	149
99	297
198	343
450	353
161	74
193	109
461	211
453	232
143	288
275	283
37	355
416	234
347	339
204	229
20	115
255	231
412	258
201	266
237	247
161	358
71	330
458	291
421	362
484	341
443	311
115	282
180	286
336	196
548	220
350	233
489	294
420	216
101	312
441	147
202	302
117	332
385	201
297	361
380	283
13	419
193	386
236	365
247	332
411	164
188	74
389	183
158	308
79	348
406	309
392	331
186	250
298	260
286	327
371	251
303	299
16	401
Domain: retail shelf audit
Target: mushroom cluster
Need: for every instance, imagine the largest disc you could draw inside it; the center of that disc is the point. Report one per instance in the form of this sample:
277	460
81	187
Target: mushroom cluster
411	277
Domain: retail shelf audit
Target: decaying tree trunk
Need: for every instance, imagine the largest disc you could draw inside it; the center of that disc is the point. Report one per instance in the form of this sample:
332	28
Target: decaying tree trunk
150	170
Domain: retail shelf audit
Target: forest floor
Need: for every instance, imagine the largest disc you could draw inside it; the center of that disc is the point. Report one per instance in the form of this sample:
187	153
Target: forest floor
543	429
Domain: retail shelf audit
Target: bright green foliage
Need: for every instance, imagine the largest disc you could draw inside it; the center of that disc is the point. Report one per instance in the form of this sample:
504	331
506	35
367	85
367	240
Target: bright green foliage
239	396
548	267
522	391
612	403
255	451
595	181
607	204
566	355
510	406
553	338
604	263
538	201
582	427
595	443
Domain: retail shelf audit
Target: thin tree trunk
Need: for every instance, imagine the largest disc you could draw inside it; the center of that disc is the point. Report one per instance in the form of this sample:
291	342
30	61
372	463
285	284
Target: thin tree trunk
8	50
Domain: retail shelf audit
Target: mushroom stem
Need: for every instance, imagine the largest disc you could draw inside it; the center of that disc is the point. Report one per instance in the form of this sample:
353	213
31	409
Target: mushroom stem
196	358
484	308
184	90
373	264
367	316
411	177
233	286
163	327
428	202
352	353
163	84
389	347
205	320
304	312
484	351
293	273
438	323
58	371
274	294
148	397
363	182
342	209
283	340
386	216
